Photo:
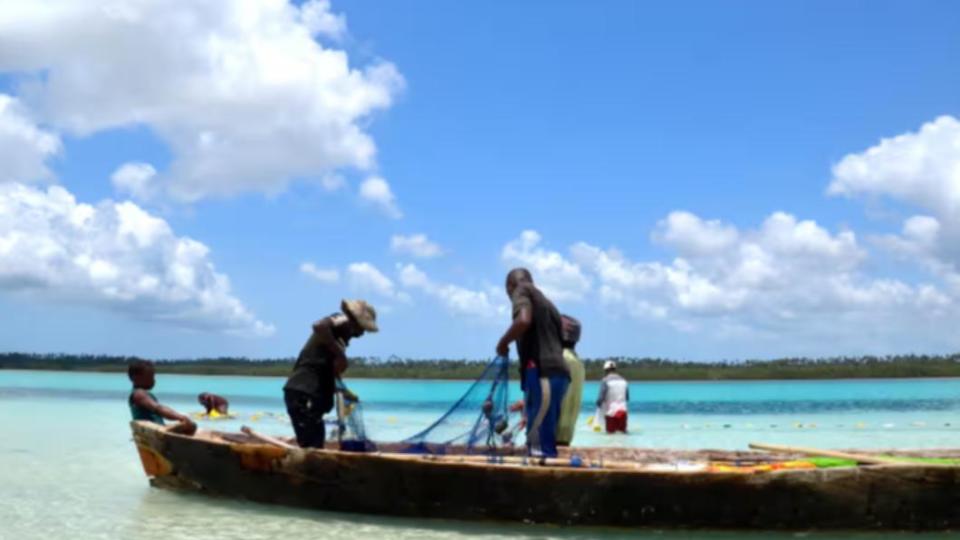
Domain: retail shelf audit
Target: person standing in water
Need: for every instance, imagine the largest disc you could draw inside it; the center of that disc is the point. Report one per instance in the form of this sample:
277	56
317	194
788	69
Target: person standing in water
570	407
613	398
310	389
145	406
536	328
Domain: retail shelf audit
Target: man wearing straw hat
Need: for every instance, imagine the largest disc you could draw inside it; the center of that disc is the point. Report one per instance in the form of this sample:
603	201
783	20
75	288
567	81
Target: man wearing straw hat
309	391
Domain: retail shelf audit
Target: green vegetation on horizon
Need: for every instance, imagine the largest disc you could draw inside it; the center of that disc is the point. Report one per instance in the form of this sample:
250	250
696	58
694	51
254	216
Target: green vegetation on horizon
637	369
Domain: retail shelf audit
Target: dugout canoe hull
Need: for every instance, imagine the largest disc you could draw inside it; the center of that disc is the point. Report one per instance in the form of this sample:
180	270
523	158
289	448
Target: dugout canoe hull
877	497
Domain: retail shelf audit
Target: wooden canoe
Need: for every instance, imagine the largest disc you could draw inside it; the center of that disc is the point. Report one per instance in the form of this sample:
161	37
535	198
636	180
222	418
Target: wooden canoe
620	493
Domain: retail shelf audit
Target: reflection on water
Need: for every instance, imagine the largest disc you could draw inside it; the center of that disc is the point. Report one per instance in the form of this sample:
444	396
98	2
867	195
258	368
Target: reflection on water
178	516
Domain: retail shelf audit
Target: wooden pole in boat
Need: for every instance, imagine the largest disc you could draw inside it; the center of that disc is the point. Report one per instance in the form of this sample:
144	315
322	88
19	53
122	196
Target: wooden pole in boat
860	458
266	438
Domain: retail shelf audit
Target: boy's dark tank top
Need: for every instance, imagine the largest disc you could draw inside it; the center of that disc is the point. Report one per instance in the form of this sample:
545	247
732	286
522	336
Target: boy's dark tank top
140	413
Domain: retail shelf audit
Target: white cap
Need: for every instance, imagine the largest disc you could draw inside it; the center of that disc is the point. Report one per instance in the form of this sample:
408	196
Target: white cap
609	364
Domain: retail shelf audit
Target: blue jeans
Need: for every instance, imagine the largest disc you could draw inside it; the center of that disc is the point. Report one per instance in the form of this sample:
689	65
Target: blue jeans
542	403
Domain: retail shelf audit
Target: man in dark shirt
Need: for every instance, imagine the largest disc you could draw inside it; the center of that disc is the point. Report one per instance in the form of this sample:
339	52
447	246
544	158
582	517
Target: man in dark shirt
310	388
543	373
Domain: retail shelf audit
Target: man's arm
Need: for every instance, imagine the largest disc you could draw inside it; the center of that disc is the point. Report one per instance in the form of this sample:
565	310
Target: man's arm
143	399
337	354
603	394
521	323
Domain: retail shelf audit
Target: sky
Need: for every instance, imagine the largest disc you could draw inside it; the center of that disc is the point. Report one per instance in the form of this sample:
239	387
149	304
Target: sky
692	180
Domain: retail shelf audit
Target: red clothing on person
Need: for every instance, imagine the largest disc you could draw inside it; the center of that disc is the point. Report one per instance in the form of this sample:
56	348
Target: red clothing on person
617	422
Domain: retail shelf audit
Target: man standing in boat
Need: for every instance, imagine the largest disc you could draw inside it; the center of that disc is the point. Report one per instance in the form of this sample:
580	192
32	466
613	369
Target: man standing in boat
310	388
613	398
543	373
570	408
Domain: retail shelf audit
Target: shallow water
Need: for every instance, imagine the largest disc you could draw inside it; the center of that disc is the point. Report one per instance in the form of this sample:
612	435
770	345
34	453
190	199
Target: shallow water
69	469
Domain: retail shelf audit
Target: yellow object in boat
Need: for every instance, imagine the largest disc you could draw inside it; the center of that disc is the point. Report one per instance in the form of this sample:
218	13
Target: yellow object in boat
796	464
717	467
214	414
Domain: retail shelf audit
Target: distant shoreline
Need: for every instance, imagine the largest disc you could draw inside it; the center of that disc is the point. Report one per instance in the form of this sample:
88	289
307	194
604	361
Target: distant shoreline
636	369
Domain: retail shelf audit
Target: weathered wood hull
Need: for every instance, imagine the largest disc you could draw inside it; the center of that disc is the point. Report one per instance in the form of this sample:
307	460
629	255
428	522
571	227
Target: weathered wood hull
878	497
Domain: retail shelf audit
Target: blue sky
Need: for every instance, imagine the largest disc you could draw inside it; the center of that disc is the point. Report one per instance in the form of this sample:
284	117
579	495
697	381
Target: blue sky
691	179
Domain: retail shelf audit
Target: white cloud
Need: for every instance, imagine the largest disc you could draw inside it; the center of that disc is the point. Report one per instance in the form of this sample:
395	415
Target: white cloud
365	278
333	182
786	274
24	147
319	20
457	300
416	245
114	255
918	239
242	94
135	179
376	191
694	237
412	277
323	275
922	168
560	279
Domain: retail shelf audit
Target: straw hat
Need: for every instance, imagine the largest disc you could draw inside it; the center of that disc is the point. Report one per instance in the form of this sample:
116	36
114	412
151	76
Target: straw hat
361	312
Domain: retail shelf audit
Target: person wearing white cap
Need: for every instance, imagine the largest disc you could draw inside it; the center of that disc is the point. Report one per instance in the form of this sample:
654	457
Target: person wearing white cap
310	389
613	398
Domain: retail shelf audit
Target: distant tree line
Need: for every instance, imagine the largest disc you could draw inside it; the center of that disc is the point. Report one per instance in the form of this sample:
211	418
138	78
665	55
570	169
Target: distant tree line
640	369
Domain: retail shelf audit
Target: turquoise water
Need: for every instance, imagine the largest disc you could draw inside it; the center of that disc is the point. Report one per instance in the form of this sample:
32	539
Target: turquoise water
69	468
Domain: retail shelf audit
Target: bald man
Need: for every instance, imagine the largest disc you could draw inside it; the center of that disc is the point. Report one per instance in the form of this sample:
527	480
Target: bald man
544	378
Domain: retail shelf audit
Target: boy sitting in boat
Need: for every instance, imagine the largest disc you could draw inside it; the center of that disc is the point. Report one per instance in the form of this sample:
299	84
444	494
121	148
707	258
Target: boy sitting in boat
544	377
144	405
214	404
310	389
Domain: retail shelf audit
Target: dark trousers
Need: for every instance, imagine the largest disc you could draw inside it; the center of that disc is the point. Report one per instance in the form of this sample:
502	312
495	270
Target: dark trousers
542	399
306	415
617	422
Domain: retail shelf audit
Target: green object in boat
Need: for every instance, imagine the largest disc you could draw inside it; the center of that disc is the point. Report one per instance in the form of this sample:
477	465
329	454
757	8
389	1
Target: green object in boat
931	460
829	462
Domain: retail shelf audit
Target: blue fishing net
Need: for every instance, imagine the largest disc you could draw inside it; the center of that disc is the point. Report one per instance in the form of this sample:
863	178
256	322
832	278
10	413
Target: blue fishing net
477	423
350	431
